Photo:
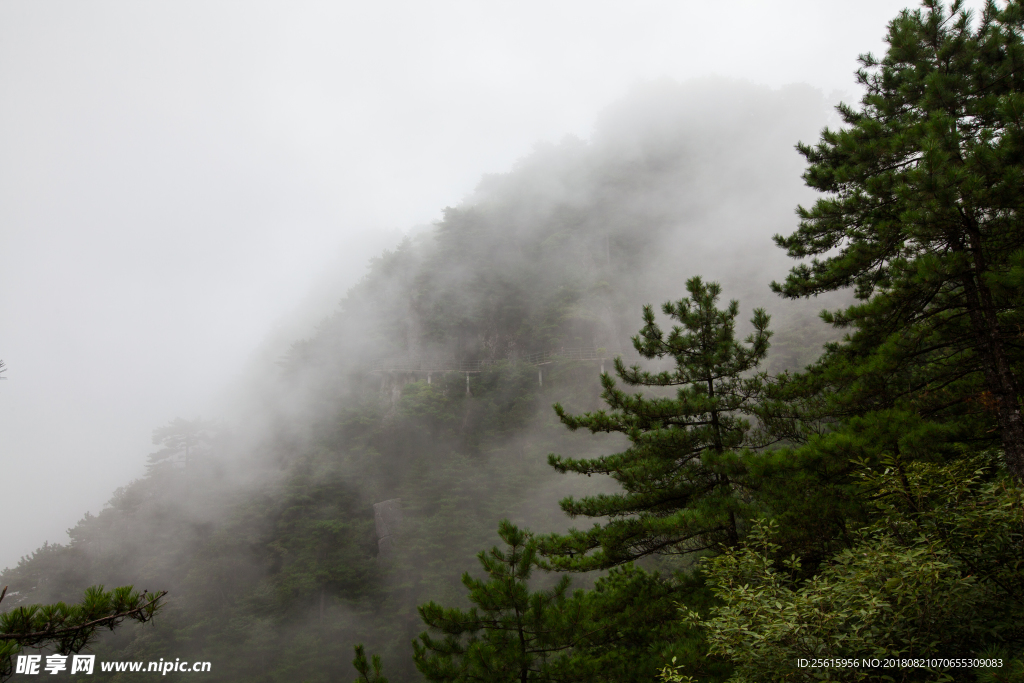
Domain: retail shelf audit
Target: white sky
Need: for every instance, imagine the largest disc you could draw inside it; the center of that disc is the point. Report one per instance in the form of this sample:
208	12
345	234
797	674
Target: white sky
175	176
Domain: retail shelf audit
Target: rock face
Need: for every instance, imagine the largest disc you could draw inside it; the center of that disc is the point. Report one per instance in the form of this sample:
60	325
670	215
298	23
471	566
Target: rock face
388	516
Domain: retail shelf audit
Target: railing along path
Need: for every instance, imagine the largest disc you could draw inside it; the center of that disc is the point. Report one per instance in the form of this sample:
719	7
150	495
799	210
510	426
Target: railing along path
442	365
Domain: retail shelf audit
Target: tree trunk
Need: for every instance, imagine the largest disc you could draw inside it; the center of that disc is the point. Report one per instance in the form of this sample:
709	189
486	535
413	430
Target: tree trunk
999	377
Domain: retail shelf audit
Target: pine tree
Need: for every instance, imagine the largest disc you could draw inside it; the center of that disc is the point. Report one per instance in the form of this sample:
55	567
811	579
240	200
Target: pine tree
371	671
182	441
622	631
922	217
682	476
512	634
70	628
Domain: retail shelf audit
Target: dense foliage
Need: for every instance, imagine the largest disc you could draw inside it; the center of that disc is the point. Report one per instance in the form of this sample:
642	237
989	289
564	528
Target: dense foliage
923	192
940	574
914	417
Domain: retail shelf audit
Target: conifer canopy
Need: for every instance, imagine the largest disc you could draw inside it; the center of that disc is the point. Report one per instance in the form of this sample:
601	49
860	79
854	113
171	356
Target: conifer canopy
682	472
922	215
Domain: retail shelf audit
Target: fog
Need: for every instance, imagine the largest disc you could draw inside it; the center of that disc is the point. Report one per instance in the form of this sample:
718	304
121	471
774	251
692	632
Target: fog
187	187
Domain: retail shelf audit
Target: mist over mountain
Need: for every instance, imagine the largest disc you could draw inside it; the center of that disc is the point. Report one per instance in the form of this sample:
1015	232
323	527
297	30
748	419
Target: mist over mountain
266	536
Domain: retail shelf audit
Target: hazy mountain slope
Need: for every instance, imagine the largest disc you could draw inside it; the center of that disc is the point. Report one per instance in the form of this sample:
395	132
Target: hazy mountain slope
268	543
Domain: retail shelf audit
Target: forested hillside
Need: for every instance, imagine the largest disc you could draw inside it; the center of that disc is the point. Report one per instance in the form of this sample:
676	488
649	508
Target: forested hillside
266	541
579	390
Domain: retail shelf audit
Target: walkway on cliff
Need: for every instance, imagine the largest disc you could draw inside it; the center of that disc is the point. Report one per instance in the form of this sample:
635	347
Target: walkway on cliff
432	365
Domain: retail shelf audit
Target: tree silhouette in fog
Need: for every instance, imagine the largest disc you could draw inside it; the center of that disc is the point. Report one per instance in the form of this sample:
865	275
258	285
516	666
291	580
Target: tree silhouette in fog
182	442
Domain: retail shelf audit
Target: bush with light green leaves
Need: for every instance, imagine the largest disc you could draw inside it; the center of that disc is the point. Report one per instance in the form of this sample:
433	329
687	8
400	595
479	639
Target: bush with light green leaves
940	574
